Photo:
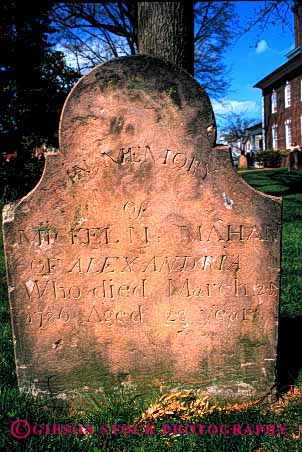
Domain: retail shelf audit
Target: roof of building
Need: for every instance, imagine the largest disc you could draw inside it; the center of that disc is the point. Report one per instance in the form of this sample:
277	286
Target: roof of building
291	65
255	126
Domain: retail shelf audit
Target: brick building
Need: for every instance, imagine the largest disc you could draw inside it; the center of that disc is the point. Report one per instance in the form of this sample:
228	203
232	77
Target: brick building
282	98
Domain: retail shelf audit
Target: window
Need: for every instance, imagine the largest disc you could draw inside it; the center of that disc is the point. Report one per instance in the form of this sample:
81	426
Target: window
287	95
275	136
274	101
288	133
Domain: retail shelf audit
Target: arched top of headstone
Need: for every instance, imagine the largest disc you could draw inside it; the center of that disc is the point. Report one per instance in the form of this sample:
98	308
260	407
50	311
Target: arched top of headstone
136	96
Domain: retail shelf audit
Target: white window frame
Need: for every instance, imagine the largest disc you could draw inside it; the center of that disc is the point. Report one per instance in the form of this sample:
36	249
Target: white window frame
275	137
287	95
288	133
301	89
274	101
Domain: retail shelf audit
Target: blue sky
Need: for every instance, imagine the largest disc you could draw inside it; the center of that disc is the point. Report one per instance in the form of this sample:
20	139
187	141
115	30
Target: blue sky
253	56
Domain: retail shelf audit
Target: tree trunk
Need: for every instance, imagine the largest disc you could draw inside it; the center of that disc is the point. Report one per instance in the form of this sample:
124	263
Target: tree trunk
166	30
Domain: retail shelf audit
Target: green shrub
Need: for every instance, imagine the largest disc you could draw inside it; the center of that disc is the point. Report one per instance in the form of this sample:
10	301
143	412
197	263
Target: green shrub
269	158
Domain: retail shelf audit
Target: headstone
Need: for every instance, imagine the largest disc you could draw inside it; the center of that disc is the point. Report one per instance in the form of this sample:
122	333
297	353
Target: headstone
295	160
141	258
242	162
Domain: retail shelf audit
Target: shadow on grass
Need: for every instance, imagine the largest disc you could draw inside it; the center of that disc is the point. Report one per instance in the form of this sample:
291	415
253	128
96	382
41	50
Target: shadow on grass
291	183
289	362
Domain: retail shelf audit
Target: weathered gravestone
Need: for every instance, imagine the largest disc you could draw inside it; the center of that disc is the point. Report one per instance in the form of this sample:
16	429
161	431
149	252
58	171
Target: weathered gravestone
242	162
295	160
141	257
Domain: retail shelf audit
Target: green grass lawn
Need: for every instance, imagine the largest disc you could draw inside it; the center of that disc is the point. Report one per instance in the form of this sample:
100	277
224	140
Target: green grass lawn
123	408
289	186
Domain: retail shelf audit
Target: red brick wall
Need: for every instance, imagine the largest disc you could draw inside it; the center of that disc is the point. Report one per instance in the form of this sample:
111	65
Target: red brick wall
294	112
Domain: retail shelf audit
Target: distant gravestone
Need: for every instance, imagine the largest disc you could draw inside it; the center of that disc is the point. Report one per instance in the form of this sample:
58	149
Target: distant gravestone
295	160
242	162
141	257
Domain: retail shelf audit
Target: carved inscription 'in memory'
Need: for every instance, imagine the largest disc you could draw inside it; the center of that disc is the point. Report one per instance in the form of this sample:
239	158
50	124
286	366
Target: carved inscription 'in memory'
170	159
136	156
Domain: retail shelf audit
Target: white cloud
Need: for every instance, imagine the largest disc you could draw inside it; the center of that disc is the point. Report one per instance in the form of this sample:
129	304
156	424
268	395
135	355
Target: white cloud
68	56
234	106
262	46
71	60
